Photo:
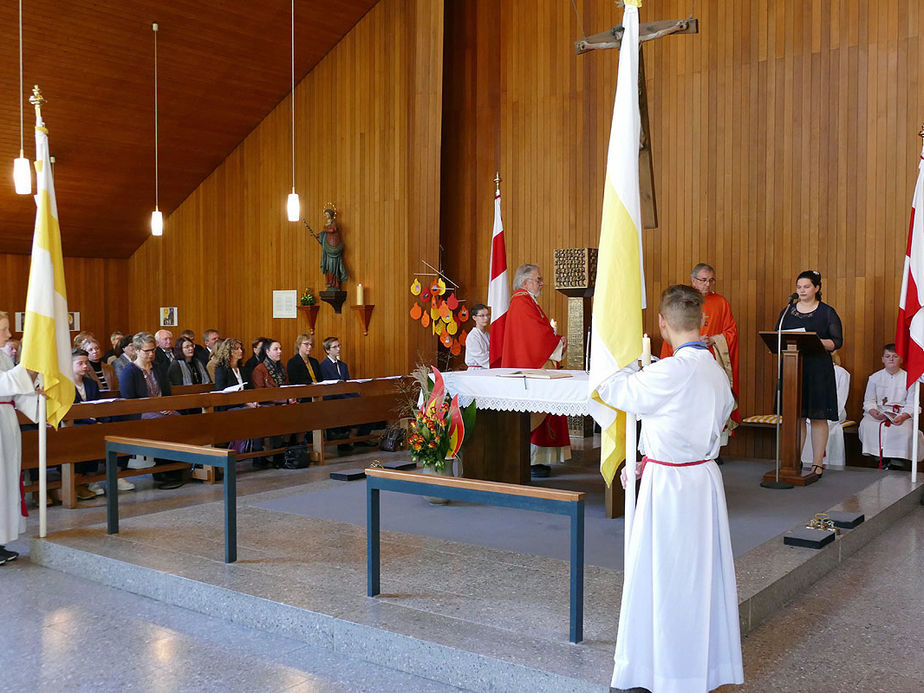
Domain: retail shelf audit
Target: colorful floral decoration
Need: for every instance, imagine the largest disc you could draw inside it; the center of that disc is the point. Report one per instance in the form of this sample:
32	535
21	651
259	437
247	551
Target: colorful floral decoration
438	430
415	287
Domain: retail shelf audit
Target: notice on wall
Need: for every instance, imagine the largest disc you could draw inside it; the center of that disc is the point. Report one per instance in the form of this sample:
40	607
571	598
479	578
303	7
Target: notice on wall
285	304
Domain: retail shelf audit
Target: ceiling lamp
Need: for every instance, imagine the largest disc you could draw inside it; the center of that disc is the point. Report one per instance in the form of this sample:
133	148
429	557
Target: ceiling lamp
293	208
157	219
22	171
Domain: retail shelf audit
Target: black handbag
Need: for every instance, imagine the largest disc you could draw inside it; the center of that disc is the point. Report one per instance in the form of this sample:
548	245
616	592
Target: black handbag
297	457
392	440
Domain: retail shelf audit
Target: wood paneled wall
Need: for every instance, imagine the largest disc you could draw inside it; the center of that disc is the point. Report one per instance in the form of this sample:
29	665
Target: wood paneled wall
784	138
367	124
96	288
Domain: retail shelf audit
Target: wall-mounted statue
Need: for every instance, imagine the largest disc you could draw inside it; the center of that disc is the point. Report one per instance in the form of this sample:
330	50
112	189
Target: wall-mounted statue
332	247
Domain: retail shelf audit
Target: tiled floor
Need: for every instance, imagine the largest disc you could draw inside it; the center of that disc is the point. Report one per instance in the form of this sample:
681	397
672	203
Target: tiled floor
860	629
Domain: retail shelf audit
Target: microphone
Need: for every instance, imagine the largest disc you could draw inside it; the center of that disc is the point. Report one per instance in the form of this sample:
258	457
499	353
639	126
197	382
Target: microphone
793	297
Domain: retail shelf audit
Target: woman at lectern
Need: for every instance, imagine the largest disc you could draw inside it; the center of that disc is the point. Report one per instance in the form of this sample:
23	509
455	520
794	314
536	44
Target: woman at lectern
819	389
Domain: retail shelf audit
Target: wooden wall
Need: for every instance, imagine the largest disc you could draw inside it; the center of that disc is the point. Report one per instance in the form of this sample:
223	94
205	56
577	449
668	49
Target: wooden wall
96	288
784	138
368	121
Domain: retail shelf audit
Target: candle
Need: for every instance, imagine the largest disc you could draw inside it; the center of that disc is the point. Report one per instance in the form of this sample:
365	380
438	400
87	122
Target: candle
554	325
359	295
646	350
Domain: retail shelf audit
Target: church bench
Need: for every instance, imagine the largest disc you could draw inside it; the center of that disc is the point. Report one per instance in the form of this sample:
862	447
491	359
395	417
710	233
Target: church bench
379	399
188	454
549	500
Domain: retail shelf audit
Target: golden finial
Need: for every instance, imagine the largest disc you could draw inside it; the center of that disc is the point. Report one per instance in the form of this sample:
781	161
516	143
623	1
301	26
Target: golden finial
921	134
497	182
37	100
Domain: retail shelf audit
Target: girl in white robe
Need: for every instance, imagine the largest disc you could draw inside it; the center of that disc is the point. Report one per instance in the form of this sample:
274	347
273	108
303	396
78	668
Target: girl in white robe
17	391
678	623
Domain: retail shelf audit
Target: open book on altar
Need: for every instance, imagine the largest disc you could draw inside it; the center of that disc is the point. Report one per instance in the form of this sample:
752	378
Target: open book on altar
539	373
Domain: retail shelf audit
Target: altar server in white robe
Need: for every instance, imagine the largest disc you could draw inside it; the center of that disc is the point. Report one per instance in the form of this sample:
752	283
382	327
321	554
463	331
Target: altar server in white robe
678	624
17	391
887	395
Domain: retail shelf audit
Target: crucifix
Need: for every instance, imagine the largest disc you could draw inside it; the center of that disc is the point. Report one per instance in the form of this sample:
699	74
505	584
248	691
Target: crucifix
613	39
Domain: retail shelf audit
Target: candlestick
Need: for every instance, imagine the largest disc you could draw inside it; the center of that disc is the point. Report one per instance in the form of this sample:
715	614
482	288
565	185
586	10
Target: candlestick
646	350
360	298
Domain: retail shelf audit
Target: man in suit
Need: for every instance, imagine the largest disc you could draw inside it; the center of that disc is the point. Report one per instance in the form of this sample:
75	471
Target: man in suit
164	355
332	368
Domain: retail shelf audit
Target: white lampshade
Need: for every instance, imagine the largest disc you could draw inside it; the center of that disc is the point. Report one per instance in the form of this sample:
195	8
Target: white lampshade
293	208
22	176
157	223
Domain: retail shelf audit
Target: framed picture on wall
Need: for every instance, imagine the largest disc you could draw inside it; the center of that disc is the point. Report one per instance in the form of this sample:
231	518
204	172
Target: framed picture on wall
168	316
20	321
73	321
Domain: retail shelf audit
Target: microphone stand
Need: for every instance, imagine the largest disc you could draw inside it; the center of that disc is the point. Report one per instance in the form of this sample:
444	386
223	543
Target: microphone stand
777	484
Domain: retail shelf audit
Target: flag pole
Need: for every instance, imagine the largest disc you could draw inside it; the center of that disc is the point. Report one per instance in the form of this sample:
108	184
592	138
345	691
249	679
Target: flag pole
914	430
631	454
42	420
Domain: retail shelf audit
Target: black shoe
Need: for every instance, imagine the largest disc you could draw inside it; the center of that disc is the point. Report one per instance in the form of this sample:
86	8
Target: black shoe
719	460
6	555
540	471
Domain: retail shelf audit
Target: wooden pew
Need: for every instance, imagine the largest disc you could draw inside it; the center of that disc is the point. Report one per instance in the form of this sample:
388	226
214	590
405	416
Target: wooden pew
379	399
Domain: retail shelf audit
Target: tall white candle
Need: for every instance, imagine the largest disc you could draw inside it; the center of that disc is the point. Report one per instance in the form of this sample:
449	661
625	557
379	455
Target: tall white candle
359	295
646	350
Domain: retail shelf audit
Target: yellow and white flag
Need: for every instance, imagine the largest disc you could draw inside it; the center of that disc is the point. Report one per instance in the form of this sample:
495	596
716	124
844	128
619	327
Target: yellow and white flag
46	342
619	296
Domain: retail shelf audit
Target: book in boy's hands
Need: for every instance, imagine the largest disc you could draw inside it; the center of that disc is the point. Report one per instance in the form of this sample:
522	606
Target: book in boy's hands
539	373
890	412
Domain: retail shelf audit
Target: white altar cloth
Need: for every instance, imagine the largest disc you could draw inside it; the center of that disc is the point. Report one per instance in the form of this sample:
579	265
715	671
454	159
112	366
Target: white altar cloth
566	396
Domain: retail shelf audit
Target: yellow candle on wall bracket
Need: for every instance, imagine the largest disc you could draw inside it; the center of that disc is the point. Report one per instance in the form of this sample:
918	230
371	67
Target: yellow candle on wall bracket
360	297
646	350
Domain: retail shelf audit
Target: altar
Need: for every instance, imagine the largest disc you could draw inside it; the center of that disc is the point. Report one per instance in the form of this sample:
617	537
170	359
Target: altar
498	448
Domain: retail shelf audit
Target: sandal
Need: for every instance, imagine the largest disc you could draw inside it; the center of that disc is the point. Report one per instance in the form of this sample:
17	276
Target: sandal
818	470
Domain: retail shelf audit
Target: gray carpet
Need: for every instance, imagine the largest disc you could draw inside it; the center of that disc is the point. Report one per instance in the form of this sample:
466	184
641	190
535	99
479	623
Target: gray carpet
756	514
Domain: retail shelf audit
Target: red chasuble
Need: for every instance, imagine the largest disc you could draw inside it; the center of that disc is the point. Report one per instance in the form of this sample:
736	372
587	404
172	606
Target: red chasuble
528	343
718	320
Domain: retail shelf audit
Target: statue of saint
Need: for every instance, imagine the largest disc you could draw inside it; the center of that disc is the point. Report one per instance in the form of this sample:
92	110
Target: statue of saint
331	249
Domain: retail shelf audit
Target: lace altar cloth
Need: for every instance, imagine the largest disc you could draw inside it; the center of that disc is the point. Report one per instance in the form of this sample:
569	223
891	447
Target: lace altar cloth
567	396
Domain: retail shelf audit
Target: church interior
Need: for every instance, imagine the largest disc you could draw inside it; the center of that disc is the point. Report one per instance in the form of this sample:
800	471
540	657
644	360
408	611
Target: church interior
783	137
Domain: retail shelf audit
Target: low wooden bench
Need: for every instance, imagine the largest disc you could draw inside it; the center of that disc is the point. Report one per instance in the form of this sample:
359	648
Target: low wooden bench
570	503
379	399
184	454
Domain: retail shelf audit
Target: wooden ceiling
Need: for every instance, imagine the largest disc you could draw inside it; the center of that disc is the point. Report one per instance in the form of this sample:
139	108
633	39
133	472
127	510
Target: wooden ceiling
223	65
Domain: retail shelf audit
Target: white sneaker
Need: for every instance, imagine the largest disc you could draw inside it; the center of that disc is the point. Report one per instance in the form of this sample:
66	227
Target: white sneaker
97	488
125	485
141	462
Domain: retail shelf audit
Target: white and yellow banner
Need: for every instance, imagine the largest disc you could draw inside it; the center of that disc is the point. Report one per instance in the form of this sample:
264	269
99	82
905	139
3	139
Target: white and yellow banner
619	296
46	344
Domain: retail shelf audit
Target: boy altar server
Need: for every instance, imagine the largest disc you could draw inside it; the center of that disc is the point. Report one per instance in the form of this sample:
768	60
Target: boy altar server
678	624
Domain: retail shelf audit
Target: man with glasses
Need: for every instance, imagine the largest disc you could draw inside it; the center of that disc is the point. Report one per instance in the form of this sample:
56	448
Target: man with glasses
530	342
719	333
478	342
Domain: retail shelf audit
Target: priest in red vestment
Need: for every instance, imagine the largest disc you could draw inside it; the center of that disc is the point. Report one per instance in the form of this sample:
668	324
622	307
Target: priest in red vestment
719	332
530	342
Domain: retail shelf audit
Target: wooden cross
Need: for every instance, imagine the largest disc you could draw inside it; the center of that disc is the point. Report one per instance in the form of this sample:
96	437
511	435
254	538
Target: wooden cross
613	39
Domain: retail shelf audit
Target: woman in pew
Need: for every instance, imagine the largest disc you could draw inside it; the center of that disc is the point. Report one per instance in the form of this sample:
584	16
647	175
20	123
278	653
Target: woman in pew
302	369
270	373
100	371
141	379
186	369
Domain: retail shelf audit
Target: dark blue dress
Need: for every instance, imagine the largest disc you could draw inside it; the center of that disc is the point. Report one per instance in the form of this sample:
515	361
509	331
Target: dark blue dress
819	388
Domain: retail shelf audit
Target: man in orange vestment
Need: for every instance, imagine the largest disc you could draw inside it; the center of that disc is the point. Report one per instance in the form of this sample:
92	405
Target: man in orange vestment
719	332
530	342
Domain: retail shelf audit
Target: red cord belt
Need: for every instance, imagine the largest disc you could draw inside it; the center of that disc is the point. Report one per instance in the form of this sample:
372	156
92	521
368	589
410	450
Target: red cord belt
646	460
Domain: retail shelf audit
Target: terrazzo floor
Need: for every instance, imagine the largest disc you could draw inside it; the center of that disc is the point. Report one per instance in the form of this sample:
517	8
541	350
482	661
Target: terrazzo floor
859	629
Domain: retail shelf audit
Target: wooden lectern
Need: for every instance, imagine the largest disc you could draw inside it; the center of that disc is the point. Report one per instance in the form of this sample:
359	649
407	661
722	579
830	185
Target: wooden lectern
793	345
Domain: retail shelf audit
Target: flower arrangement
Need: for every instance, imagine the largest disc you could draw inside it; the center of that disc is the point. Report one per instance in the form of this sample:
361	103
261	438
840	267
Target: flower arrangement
307	298
438	429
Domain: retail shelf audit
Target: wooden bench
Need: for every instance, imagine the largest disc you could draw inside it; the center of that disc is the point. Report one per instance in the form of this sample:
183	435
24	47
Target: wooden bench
185	454
379	399
570	503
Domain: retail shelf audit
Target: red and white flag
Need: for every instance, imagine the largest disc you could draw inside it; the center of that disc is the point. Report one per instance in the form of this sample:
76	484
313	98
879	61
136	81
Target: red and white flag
499	287
909	334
